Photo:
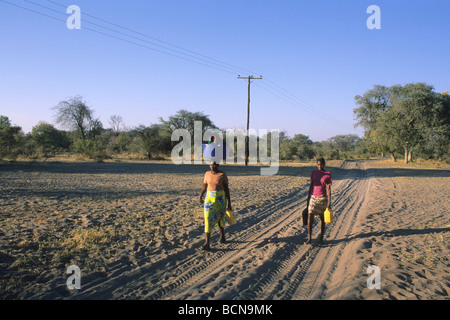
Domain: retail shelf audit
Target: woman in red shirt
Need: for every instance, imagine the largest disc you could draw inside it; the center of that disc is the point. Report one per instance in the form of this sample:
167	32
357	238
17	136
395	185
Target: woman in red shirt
319	197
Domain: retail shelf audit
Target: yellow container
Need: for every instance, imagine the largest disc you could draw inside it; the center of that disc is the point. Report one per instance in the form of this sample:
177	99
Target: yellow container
231	217
328	216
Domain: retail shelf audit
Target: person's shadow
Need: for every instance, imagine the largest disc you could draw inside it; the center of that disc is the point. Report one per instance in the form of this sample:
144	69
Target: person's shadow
391	233
299	239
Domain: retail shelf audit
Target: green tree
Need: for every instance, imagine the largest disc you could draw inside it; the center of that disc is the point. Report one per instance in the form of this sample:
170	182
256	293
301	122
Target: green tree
404	119
155	139
287	149
4	122
49	139
344	142
361	148
436	136
10	137
371	106
184	119
121	143
303	146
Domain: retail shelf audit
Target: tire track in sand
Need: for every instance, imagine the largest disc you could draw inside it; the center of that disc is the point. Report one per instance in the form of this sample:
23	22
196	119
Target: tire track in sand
316	275
256	263
292	272
182	270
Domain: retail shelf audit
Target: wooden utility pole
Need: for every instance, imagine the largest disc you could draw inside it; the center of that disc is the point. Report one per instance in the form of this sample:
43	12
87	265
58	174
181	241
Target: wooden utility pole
249	78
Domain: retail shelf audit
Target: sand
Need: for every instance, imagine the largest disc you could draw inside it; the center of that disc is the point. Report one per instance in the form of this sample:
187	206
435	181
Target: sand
134	229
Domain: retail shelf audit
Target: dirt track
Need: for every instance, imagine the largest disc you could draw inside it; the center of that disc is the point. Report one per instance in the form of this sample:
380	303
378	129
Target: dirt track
265	257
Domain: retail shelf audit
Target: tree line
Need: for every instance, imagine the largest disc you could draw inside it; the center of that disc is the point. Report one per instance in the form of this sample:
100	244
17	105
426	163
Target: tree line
412	120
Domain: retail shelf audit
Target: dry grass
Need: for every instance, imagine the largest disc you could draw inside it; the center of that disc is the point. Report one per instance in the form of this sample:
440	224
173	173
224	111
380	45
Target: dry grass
416	164
93	237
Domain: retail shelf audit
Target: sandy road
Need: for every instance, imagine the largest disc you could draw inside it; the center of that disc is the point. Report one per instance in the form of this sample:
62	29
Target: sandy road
265	257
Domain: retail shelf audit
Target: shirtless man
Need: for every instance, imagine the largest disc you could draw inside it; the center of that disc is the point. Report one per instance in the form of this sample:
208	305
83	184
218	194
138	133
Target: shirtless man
217	201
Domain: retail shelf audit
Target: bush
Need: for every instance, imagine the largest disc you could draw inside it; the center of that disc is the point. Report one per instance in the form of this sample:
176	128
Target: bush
89	148
10	137
48	139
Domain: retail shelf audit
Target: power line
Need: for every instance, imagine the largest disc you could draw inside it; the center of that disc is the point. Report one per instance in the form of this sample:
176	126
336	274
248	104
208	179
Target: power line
205	63
238	69
292	99
191	56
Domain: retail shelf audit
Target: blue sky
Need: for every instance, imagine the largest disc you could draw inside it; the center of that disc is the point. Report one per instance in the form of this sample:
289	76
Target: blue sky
321	52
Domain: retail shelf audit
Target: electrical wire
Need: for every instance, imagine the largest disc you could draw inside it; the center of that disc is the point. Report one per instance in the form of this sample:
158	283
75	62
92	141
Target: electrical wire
313	112
182	53
122	39
241	70
193	55
294	100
